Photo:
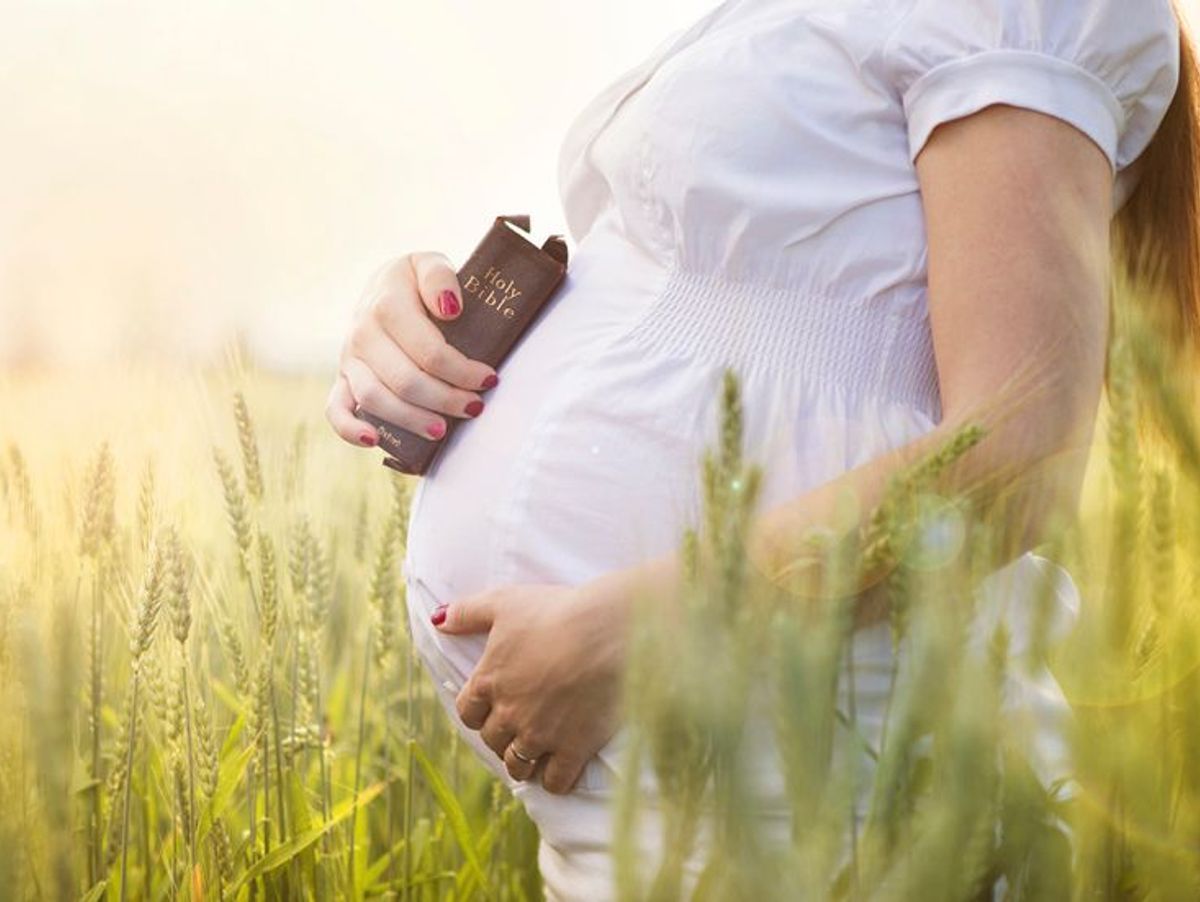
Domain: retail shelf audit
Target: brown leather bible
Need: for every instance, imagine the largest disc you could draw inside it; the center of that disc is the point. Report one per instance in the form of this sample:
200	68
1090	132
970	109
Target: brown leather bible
506	282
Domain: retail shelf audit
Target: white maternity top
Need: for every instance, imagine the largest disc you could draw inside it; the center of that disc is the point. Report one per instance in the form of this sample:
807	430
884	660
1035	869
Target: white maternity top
746	197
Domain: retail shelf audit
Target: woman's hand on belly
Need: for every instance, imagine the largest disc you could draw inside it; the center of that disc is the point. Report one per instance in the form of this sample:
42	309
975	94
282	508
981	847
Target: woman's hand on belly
548	686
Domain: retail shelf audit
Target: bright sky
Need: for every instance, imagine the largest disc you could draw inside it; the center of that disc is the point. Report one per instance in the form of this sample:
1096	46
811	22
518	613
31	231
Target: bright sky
173	171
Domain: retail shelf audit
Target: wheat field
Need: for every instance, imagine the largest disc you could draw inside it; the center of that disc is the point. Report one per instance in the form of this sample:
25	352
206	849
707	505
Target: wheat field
207	692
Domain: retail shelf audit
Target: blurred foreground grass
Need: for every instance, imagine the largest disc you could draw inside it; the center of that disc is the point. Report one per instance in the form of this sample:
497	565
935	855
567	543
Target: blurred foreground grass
206	691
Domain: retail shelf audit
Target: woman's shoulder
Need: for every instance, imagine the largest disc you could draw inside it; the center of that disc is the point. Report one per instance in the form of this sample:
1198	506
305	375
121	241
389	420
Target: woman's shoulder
1110	67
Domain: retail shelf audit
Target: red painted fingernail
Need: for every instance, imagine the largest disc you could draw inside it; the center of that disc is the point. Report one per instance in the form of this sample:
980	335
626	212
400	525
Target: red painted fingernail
438	617
437	430
475	408
448	303
367	439
491	381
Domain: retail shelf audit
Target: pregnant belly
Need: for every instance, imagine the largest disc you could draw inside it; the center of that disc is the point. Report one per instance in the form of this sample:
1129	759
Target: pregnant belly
581	460
583	468
588	456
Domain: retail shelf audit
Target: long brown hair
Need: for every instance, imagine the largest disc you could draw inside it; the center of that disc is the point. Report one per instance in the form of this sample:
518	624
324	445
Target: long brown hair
1157	232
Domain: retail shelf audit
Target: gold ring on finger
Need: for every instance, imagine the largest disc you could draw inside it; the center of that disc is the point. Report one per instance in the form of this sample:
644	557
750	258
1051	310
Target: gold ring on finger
520	757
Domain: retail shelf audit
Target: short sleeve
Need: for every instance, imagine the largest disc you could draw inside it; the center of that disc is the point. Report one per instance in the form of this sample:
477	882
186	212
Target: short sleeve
1108	67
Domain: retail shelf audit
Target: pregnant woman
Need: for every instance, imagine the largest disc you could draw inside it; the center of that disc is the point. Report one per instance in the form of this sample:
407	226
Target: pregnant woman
874	211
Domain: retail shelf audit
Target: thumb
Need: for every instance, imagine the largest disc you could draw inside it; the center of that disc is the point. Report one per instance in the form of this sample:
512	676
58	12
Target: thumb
473	614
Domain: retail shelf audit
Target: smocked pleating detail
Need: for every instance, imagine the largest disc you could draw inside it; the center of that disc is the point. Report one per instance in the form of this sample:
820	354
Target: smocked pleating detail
859	345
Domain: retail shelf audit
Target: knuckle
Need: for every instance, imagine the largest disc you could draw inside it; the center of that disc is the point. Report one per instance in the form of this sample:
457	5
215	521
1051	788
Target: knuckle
422	355
404	381
435	355
473	720
339	428
376	314
433	262
395	271
384	307
496	719
483	687
356	341
557	781
398	267
469	720
350	350
496	598
533	740
371	396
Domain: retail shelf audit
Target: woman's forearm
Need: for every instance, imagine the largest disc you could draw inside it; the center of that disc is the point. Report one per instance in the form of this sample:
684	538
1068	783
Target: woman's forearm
1023	476
1023	479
